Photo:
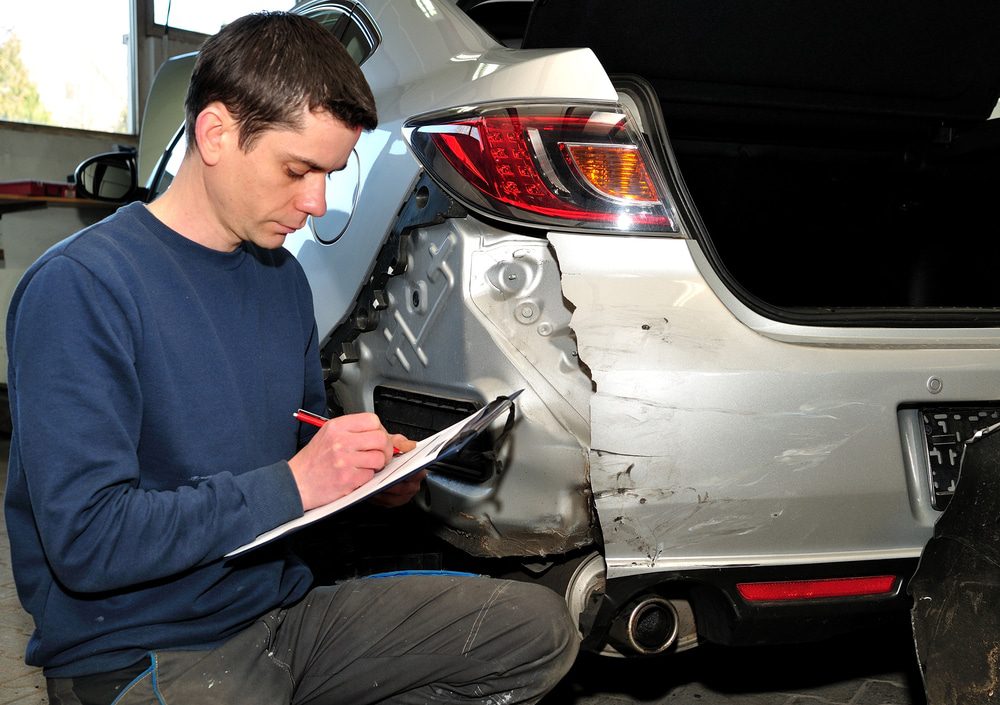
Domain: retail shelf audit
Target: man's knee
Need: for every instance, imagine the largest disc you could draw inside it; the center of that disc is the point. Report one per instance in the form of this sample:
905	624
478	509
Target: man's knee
547	626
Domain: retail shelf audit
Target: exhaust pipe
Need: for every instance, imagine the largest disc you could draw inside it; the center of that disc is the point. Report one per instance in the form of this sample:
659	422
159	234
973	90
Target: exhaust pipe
647	626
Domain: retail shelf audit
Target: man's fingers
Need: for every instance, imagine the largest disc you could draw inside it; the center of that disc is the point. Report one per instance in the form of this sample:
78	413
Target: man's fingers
399	493
343	441
370	459
402	443
418	478
355	423
408	487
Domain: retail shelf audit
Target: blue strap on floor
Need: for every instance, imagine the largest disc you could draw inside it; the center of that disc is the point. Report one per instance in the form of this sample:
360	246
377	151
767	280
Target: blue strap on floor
401	573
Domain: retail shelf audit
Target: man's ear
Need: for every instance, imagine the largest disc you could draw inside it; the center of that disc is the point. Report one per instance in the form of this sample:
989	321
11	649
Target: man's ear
216	131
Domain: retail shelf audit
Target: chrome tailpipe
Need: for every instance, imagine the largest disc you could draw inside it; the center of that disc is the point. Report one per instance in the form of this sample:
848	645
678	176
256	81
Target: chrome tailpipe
648	625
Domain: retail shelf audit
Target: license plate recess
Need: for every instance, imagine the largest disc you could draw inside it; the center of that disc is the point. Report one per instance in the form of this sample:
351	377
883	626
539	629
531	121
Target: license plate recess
946	428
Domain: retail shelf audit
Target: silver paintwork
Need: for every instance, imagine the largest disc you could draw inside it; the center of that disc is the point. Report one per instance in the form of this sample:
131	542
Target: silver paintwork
432	57
715	445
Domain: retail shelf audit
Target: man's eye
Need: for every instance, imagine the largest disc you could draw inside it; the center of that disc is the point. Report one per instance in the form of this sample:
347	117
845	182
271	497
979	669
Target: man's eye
294	174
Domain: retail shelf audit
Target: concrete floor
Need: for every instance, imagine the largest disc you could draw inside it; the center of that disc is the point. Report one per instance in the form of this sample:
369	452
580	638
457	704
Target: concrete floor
874	668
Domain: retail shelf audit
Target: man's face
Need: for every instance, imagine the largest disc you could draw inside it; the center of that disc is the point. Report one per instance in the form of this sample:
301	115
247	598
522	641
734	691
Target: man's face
263	194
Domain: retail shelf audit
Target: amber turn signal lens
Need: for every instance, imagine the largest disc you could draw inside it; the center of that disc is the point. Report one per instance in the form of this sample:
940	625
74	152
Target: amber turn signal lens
615	171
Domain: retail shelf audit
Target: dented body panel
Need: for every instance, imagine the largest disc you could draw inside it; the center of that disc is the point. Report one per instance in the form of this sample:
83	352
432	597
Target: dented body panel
476	314
715	445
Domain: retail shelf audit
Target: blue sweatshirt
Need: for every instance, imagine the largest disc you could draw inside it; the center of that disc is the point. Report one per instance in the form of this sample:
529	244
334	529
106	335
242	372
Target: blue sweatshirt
152	383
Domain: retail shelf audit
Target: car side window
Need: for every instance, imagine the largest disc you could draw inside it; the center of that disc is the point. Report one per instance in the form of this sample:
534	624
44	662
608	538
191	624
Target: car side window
349	22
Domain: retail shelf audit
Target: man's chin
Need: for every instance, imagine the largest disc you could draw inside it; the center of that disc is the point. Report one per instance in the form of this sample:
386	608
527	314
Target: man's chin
271	240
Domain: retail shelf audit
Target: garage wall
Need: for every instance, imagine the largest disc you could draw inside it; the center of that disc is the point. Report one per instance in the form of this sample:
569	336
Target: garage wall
32	152
39	153
45	154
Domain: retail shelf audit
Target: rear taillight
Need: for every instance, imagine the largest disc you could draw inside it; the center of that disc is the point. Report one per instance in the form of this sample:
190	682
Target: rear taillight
576	167
818	589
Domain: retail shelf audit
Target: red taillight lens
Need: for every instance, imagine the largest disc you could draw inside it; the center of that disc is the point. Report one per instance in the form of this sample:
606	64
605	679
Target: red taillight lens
576	167
817	589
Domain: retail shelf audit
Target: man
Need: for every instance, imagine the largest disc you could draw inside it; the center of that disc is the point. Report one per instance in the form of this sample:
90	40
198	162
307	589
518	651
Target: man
155	361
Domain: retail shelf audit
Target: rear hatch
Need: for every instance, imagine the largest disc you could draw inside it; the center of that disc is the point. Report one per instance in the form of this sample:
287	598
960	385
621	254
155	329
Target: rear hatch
839	156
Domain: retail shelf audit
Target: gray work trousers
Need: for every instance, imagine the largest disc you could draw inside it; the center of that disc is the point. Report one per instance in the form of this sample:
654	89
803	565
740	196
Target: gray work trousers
413	639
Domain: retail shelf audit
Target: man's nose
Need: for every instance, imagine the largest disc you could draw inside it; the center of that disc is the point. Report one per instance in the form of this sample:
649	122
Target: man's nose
312	198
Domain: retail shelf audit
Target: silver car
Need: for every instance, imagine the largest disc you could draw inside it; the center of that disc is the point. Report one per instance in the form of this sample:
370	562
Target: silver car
739	257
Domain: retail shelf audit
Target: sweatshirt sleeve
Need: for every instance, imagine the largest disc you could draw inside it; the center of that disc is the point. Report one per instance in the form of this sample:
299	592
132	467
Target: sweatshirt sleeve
76	409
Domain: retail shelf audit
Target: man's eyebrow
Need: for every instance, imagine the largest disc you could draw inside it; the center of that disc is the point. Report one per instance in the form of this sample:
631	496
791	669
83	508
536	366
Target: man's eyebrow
313	166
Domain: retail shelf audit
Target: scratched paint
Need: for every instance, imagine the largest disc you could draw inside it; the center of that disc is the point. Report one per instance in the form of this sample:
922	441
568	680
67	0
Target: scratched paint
712	444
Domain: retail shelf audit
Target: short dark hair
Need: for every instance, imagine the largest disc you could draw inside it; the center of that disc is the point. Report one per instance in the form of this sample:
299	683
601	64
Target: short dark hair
264	67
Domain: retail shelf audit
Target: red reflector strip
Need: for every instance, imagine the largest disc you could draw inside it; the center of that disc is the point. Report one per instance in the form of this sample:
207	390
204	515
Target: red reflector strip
817	589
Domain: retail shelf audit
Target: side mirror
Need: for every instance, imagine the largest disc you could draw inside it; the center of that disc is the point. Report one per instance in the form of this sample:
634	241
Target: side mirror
110	176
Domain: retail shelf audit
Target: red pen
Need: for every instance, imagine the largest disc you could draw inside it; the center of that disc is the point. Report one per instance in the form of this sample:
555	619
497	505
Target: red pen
318	421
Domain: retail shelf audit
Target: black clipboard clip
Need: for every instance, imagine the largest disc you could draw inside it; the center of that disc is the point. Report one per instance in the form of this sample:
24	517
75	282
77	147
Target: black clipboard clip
481	421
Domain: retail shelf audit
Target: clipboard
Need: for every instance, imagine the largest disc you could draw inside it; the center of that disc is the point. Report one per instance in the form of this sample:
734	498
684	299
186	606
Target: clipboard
433	449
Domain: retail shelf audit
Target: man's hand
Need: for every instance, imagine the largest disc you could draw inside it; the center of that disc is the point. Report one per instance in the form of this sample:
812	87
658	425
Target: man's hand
403	491
343	455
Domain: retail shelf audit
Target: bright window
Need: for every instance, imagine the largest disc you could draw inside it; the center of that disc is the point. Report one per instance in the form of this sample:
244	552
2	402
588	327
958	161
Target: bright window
207	17
70	68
